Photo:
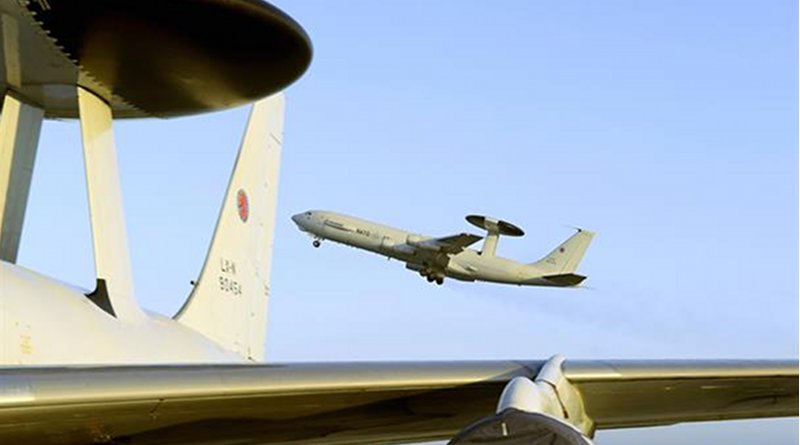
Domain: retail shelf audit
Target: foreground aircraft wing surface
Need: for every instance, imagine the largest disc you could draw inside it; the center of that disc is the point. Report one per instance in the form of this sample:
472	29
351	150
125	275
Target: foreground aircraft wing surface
354	403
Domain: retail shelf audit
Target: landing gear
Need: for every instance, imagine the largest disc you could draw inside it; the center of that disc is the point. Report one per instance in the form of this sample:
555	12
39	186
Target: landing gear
432	276
316	243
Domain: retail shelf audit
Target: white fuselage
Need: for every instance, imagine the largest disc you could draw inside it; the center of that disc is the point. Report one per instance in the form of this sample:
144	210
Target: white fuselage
48	322
468	265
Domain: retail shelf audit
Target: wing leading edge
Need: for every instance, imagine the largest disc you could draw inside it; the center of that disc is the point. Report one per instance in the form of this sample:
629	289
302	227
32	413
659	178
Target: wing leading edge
455	243
353	403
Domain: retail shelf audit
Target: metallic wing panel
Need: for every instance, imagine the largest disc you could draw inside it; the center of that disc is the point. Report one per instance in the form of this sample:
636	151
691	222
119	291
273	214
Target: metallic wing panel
230	404
352	403
621	394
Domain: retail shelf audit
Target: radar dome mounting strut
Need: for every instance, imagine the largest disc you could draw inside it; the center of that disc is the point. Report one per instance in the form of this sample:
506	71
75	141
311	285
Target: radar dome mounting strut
495	227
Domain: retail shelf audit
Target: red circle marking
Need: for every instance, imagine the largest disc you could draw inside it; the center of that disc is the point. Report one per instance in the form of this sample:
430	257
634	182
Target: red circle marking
243	205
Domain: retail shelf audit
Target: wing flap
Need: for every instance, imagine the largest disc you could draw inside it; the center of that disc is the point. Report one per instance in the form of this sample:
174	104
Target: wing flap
621	394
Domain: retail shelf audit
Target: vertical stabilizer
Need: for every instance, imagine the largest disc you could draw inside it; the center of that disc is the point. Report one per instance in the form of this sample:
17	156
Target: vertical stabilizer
229	301
566	257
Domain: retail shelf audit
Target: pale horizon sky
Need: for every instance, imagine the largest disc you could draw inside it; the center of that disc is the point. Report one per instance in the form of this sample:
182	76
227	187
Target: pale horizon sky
669	128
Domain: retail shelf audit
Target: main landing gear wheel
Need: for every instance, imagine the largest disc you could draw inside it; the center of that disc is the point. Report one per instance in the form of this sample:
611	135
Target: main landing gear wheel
439	281
316	243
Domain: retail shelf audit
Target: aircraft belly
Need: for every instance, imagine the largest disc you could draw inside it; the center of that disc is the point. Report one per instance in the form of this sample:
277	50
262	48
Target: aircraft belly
458	272
494	270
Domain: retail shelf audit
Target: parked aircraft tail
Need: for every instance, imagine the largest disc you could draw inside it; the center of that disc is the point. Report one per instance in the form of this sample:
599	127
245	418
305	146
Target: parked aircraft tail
229	301
564	259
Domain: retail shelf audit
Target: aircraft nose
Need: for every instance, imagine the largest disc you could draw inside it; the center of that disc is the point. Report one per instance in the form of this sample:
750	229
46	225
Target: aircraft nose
298	219
302	220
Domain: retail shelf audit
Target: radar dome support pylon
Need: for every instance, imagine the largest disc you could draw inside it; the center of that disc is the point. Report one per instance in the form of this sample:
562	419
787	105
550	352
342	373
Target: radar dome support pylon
20	125
114	292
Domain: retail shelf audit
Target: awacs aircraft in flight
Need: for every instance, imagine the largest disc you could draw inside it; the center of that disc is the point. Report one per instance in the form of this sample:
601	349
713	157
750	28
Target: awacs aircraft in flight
449	256
87	366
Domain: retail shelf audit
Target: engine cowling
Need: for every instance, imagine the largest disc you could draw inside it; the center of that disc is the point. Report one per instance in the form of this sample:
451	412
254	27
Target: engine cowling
413	240
546	410
422	243
516	427
388	245
403	249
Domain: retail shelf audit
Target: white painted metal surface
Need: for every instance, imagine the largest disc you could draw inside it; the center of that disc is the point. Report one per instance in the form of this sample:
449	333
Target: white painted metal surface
229	301
46	322
20	125
111	256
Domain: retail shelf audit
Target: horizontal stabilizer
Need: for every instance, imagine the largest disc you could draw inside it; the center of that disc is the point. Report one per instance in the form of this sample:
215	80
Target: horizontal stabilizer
565	279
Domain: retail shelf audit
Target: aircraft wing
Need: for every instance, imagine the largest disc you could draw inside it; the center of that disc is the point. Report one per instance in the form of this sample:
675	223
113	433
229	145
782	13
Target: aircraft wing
355	403
454	243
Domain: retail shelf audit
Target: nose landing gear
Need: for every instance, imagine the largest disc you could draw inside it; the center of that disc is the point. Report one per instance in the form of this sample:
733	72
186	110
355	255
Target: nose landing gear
316	243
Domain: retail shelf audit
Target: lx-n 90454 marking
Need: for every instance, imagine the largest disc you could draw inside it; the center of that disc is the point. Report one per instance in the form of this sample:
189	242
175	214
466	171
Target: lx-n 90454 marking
449	256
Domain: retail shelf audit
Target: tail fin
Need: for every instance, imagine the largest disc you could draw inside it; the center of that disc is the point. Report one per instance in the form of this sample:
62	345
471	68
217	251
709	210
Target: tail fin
565	258
229	302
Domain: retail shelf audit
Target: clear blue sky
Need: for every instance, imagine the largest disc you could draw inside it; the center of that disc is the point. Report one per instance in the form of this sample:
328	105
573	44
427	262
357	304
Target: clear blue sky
669	128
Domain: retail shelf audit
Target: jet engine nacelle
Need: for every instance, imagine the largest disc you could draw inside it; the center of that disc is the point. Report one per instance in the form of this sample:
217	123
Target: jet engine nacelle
413	240
512	427
421	243
388	245
545	410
